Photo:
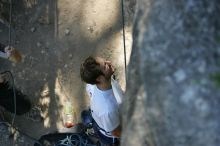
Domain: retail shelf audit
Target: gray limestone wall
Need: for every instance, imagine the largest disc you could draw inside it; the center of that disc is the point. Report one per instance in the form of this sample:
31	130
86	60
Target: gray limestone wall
173	82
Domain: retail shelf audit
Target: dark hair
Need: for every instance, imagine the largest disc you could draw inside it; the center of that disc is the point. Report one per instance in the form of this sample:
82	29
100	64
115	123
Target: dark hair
90	70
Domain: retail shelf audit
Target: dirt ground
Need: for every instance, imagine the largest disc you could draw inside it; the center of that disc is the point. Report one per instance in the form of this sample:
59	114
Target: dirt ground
54	37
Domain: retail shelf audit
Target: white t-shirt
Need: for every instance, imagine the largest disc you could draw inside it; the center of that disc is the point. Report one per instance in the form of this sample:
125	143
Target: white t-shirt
104	108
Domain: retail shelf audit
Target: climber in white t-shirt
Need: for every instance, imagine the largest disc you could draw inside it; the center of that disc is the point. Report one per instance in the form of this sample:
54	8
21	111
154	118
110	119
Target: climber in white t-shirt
97	72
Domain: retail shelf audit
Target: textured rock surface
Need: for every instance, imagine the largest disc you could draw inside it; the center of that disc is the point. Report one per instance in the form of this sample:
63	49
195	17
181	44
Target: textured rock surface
173	95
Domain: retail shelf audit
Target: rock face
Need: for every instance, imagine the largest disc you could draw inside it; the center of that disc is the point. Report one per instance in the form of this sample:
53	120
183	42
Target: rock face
173	92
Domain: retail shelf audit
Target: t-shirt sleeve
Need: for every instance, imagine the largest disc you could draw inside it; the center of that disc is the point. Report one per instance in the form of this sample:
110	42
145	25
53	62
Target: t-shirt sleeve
110	121
2	51
89	89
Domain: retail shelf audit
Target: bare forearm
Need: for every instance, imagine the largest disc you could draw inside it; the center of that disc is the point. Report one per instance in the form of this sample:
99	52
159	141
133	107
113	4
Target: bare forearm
117	132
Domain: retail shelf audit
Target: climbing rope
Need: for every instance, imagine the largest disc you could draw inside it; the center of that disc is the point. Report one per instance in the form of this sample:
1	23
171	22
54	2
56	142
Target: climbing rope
12	123
9	33
14	94
74	140
123	29
9	44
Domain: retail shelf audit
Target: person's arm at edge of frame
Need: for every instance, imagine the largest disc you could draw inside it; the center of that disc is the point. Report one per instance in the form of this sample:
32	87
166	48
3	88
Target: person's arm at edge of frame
3	54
